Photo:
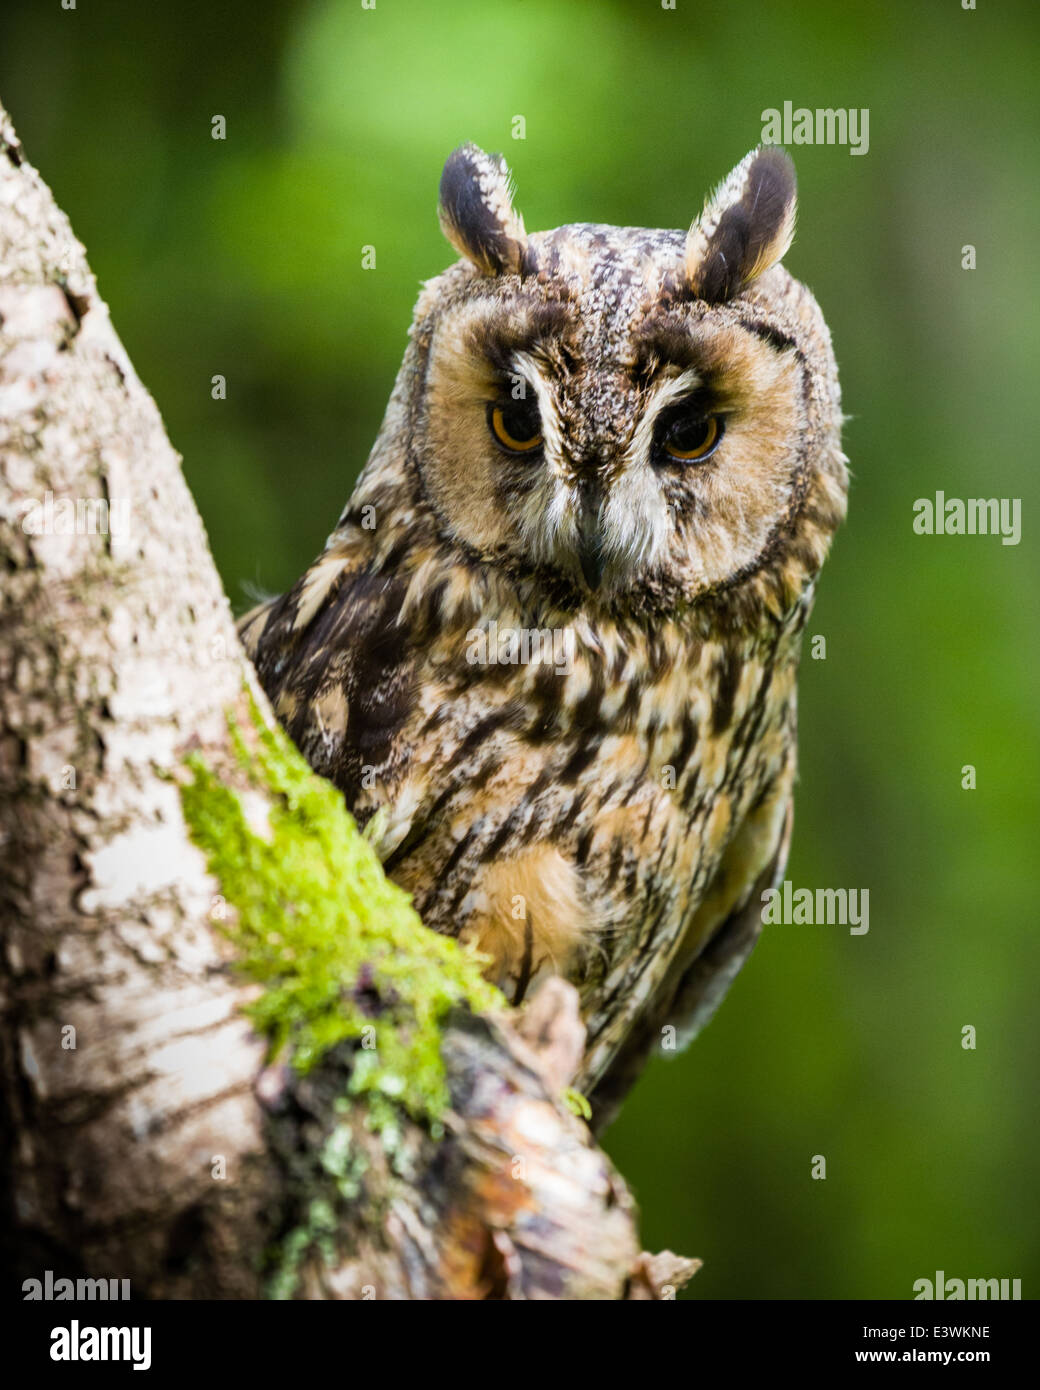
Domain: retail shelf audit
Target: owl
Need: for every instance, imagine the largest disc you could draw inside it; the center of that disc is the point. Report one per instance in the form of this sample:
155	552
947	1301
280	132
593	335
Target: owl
551	645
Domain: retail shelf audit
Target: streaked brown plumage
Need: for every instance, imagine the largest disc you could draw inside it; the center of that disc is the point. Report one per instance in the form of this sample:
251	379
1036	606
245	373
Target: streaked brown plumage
604	815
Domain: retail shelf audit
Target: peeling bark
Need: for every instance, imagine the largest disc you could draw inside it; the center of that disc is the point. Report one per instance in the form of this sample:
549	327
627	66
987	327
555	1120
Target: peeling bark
127	1069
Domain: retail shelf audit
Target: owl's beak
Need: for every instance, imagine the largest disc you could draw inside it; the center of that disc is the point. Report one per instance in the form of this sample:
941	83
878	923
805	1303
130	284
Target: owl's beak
591	559
590	537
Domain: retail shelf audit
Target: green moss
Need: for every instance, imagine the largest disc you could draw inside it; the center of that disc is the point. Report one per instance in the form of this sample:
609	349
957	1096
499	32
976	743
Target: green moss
339	950
317	1232
576	1103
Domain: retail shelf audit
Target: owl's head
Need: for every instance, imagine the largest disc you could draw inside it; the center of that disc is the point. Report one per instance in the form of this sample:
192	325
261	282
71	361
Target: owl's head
624	416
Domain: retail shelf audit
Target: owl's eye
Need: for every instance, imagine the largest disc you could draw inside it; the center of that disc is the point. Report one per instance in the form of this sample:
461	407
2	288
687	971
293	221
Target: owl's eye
690	438
516	426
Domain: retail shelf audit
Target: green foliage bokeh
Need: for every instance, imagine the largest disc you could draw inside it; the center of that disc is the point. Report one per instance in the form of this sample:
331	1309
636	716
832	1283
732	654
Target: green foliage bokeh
243	257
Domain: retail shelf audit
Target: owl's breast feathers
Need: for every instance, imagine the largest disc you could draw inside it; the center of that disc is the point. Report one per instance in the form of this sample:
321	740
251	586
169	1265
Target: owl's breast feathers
599	811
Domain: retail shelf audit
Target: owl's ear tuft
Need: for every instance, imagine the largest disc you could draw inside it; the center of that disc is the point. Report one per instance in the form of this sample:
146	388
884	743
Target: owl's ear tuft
476	211
747	225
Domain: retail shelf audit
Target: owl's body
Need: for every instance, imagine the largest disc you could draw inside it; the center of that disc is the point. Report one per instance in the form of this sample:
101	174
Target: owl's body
615	450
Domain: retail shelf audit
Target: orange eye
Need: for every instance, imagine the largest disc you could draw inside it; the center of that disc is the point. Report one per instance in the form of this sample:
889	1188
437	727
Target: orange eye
517	427
691	438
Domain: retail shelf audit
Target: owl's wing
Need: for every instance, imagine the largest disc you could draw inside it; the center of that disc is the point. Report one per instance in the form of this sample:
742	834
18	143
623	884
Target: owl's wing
706	981
338	665
690	1001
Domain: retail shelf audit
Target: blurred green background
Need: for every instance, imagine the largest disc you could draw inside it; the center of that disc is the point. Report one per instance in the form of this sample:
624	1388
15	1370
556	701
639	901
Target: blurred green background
243	257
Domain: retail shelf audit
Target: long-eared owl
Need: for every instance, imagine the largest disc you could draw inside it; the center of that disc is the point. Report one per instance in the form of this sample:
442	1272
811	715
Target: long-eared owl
554	636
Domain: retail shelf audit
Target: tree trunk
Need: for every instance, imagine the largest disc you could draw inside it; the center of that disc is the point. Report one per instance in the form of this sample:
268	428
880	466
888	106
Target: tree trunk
165	862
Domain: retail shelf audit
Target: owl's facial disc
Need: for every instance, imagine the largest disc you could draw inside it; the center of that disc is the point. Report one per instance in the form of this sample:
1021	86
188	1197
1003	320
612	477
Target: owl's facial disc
655	447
